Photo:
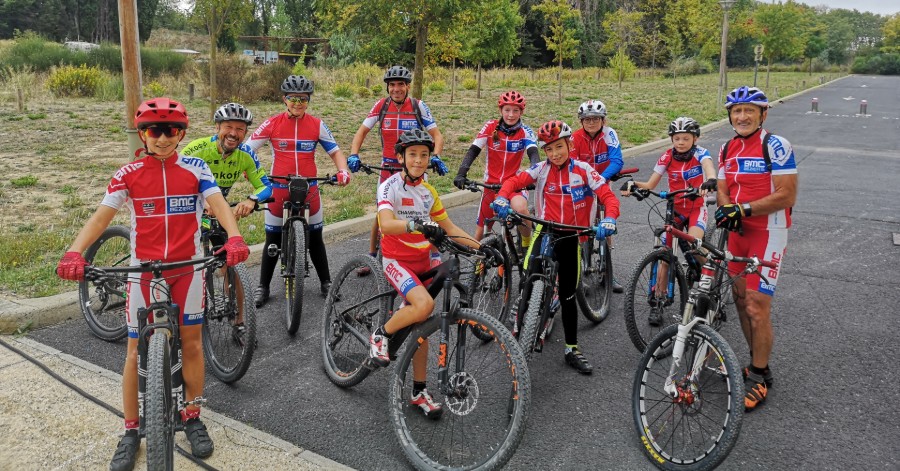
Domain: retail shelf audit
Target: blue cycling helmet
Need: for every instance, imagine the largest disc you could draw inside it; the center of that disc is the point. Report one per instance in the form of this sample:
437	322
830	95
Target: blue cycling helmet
745	94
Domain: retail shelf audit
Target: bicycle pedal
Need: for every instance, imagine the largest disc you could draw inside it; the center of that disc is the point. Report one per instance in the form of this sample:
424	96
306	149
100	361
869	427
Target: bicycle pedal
198	401
272	250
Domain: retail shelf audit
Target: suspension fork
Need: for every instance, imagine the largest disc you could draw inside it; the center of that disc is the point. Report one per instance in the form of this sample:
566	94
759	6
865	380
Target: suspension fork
446	320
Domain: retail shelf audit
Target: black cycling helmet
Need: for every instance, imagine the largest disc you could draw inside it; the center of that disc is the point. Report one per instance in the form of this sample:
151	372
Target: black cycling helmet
233	112
398	72
414	137
684	124
297	84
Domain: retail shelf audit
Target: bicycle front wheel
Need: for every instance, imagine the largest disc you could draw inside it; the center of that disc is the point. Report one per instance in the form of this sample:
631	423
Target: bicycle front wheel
697	425
595	291
490	288
160	407
723	299
485	403
103	302
352	312
655	296
296	276
529	329
229	323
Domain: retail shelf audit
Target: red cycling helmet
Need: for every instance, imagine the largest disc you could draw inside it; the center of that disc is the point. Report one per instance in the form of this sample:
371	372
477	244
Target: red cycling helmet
511	98
160	111
552	131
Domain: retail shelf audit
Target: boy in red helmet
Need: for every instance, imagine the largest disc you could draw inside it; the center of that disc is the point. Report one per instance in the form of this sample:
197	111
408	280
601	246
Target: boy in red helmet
507	140
161	233
564	191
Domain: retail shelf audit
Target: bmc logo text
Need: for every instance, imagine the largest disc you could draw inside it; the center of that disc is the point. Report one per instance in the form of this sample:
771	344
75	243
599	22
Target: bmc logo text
752	166
393	272
195	162
127	169
406	124
600	158
305	146
181	204
514	146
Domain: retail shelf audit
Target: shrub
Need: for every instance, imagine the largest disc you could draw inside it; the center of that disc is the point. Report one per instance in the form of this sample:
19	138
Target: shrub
267	80
27	180
342	90
155	62
31	49
469	84
154	89
883	64
363	92
377	89
112	88
691	66
437	86
70	81
107	57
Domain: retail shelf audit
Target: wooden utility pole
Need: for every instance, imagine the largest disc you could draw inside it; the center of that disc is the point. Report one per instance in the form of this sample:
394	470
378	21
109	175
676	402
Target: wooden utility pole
131	68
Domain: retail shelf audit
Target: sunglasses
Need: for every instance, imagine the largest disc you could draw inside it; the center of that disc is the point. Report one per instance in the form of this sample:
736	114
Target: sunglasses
592	119
158	130
297	99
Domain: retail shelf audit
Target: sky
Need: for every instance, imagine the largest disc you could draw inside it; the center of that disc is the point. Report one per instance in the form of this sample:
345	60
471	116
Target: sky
881	7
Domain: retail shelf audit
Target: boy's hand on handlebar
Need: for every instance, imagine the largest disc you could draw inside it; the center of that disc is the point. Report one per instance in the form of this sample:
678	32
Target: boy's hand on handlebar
710	184
353	163
501	207
236	251
343	177
605	228
71	266
460	181
430	229
627	188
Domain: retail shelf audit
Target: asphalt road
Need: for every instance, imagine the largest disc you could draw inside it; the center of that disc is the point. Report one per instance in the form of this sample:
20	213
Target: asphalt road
836	395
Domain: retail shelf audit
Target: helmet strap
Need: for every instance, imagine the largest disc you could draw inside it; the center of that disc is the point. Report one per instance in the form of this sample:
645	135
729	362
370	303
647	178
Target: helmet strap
406	176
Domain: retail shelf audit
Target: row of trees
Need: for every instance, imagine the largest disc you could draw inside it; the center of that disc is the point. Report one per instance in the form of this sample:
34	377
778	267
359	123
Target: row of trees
524	33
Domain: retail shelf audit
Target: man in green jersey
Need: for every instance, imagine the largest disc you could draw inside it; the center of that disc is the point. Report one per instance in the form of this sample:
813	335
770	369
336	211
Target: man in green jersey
228	158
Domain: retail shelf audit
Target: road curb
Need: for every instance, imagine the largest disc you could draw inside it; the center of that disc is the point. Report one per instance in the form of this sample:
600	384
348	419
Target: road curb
34	313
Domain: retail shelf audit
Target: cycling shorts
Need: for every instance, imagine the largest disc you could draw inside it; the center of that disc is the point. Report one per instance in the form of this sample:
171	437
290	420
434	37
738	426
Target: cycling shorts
485	211
404	276
698	217
767	244
276	209
186	289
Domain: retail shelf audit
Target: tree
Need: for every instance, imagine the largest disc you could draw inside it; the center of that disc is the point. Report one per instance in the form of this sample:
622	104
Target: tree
891	31
780	35
815	38
215	16
493	37
623	30
562	21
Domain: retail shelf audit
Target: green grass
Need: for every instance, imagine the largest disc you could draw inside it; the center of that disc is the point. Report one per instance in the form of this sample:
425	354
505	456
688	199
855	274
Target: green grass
639	111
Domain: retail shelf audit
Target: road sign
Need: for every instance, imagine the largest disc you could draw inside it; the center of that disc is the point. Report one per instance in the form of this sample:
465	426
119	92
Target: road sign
758	51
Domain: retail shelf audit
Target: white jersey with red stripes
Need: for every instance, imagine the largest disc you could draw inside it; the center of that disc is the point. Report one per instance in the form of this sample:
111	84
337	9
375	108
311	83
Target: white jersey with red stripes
165	199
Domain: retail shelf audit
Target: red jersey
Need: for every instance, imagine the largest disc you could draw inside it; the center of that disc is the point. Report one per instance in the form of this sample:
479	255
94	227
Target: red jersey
396	120
603	152
166	201
504	152
744	171
564	195
683	175
293	143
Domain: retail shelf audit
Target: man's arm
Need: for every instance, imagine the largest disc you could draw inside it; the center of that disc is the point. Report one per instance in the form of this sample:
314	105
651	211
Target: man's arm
438	140
784	196
358	139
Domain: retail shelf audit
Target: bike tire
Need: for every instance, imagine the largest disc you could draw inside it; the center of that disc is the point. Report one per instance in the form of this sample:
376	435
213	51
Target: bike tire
697	430
639	304
490	288
531	322
160	407
722	294
484	420
594	293
103	303
295	281
345	358
228	352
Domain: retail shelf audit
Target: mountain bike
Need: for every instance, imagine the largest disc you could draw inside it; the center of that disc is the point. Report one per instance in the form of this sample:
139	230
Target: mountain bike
293	251
534	314
657	289
102	302
229	316
688	390
594	293
484	385
160	381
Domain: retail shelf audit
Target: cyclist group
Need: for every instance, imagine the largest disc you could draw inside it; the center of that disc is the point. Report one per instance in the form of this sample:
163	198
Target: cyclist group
167	193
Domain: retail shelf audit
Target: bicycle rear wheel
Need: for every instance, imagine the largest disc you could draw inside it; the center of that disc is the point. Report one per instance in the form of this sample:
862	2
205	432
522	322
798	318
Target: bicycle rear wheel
490	288
697	429
229	323
293	284
595	290
647	311
103	302
485	404
160	407
723	299
350	318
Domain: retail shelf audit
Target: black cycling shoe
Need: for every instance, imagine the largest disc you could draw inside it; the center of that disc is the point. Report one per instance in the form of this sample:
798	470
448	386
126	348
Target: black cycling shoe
126	452
576	360
617	288
260	296
324	287
201	443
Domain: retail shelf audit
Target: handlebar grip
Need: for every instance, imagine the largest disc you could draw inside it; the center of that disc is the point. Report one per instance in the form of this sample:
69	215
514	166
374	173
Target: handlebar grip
768	264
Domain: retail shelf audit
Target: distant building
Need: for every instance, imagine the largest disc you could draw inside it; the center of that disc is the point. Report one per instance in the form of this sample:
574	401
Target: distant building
81	46
187	52
261	57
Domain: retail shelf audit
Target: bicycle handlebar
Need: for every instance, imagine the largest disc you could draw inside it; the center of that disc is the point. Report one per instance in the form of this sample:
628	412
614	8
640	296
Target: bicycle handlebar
472	186
370	169
92	272
719	254
513	215
689	192
627	172
327	179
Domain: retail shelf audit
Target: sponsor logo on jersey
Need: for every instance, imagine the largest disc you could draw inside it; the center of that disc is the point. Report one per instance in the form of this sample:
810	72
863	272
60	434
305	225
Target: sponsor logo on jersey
305	146
195	317
766	288
407	124
282	145
149	208
393	272
578	192
600	158
127	169
692	172
407	285
551	187
195	162
181	204
595	176
407	202
751	165
613	139
515	146
779	154
387	123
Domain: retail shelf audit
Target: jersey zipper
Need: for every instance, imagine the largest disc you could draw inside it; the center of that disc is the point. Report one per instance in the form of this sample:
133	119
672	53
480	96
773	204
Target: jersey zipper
166	202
